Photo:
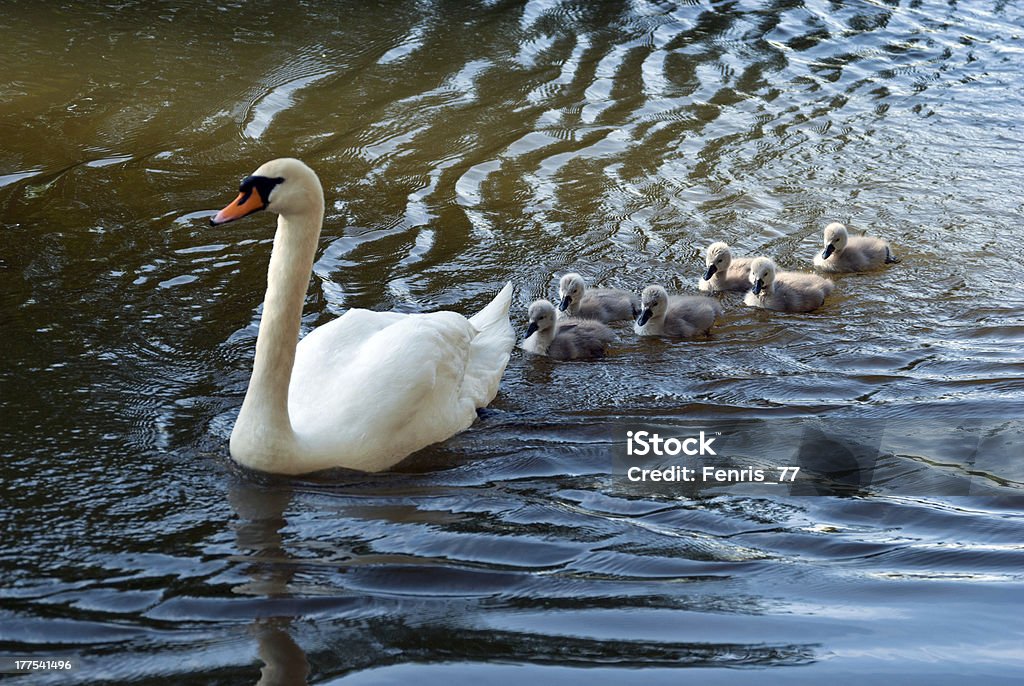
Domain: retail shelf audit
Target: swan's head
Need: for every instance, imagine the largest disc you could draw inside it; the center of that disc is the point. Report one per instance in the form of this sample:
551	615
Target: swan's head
762	275
717	259
653	303
570	290
542	317
835	239
284	186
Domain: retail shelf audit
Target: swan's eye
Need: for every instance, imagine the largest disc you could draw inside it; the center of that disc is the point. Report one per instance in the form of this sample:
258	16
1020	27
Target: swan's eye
261	184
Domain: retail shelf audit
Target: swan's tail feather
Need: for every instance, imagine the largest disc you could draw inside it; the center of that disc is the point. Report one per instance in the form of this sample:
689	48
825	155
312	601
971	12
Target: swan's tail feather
490	349
496	312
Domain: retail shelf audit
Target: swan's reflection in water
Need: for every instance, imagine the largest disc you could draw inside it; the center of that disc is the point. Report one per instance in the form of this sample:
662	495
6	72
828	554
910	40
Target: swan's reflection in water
284	661
475	613
260	513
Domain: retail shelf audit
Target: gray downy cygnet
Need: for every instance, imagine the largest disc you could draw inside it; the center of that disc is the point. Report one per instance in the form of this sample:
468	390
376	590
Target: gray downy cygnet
602	304
565	339
680	316
846	253
723	272
771	289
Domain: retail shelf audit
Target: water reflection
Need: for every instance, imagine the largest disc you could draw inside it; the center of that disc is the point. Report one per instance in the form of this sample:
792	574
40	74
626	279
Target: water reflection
260	520
284	661
457	602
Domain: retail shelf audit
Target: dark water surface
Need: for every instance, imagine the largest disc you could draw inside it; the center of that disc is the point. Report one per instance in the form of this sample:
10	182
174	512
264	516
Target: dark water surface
461	145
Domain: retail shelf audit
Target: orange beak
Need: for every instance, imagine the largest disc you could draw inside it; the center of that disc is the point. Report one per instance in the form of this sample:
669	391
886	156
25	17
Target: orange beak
244	204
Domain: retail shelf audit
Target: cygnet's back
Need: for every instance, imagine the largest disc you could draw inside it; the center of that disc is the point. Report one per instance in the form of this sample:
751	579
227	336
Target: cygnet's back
785	291
580	339
724	272
602	304
846	253
680	316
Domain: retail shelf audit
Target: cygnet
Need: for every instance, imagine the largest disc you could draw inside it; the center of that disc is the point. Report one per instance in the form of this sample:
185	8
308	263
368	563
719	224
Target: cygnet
846	253
565	339
680	316
785	291
724	273
602	304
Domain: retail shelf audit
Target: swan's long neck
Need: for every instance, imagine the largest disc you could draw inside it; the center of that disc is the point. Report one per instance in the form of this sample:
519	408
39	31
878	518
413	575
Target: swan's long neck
263	421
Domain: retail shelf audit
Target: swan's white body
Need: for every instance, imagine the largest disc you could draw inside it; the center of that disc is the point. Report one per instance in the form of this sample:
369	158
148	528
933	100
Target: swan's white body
369	388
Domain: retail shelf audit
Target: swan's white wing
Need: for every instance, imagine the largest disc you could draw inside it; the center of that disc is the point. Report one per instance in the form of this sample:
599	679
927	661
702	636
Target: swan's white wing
371	387
343	334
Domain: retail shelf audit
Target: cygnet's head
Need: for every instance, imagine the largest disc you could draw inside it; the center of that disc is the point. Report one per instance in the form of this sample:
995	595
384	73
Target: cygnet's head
570	290
835	239
284	186
653	303
717	259
762	275
542	317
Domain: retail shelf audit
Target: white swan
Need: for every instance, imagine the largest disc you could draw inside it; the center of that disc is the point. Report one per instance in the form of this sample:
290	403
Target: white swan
771	289
846	253
367	389
724	273
602	304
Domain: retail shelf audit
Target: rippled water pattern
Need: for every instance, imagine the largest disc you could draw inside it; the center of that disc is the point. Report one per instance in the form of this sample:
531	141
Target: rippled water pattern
463	144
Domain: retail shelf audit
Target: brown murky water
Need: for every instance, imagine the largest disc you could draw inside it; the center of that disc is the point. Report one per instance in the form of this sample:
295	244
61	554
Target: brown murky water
461	145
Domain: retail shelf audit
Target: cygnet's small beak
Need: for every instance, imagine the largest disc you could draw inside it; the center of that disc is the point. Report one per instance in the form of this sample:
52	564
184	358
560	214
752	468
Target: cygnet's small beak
564	304
531	329
829	249
245	204
710	272
645	316
758	287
